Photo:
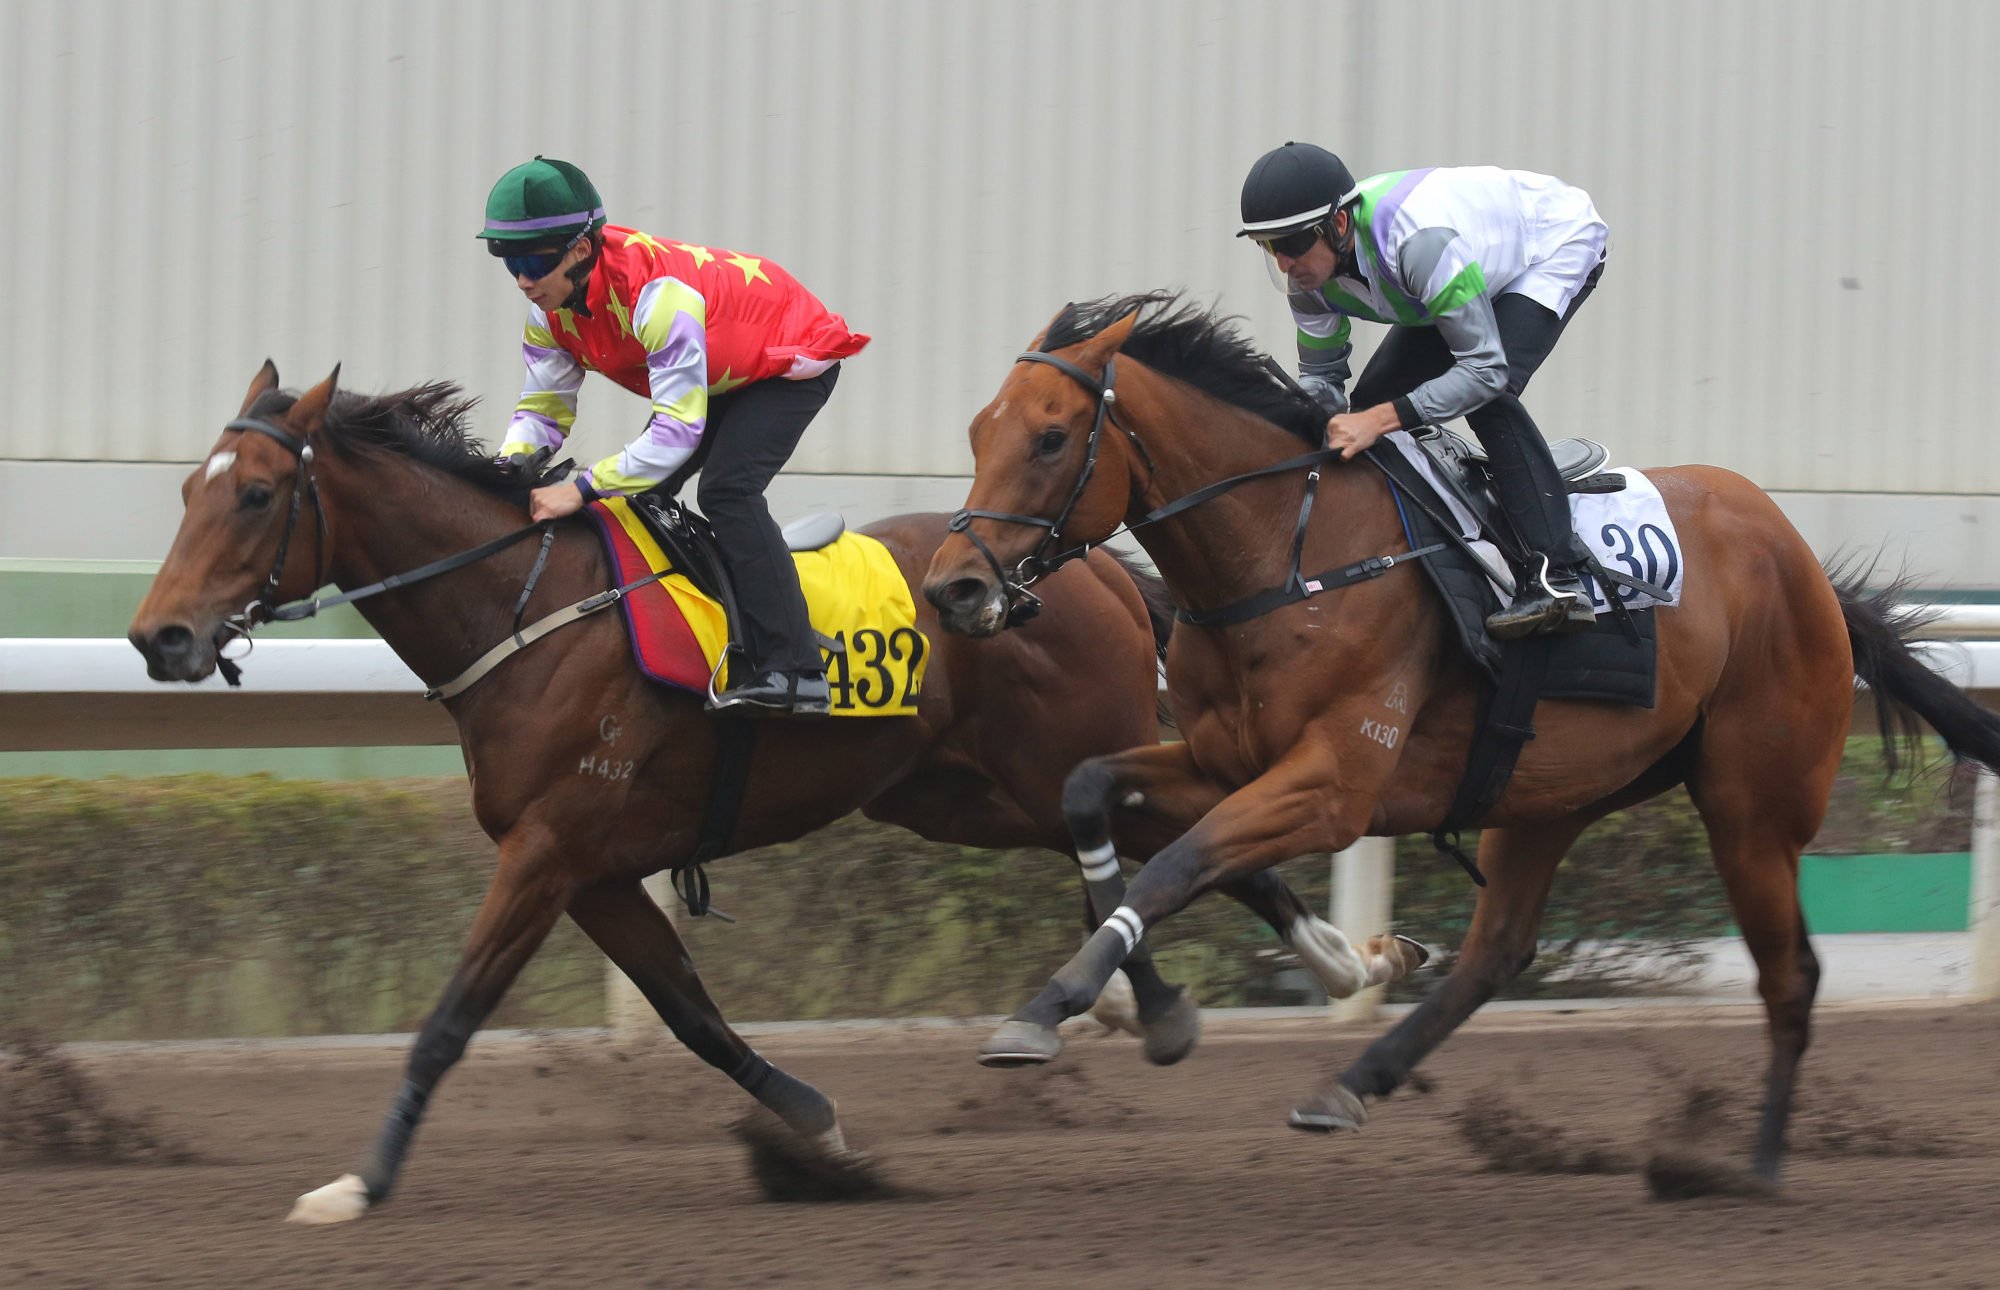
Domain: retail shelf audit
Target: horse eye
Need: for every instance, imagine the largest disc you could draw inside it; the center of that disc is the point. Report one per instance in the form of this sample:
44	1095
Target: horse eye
255	498
1051	442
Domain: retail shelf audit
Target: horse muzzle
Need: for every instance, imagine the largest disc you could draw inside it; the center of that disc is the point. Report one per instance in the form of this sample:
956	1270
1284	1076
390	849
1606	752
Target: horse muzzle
969	603
175	652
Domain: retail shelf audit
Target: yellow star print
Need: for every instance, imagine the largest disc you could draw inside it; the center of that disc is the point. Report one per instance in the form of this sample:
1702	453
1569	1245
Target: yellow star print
753	268
568	323
618	310
726	382
646	241
702	255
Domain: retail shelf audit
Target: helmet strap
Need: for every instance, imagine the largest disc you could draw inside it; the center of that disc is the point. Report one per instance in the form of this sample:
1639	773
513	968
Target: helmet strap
579	277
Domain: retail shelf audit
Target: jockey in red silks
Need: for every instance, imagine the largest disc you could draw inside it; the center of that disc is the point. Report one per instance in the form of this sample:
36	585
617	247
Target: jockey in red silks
737	358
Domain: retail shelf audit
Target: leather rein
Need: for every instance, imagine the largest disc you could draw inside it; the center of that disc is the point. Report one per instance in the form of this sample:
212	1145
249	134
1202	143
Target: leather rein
305	485
1023	604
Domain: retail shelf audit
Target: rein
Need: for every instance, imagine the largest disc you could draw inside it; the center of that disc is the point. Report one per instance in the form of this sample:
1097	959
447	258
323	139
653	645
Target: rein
1023	604
261	610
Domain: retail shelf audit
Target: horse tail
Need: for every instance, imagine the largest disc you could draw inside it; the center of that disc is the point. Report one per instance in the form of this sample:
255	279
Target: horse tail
1880	627
1159	613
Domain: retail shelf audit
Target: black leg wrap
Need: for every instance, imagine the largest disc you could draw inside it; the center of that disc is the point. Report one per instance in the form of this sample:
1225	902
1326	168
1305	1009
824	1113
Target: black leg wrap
792	1100
386	1160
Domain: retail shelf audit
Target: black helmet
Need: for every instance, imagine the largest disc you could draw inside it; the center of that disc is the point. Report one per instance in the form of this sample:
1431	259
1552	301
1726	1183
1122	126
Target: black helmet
1293	188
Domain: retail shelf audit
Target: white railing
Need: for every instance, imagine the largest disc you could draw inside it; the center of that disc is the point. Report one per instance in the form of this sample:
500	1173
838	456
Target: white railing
65	695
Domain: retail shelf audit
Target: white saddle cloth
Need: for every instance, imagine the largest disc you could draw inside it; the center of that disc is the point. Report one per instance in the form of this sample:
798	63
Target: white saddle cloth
1629	532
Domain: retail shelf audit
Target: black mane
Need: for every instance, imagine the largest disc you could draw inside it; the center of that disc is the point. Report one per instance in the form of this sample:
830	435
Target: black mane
1189	343
426	424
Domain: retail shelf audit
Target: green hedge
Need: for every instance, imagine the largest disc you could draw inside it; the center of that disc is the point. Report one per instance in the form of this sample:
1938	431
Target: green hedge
204	906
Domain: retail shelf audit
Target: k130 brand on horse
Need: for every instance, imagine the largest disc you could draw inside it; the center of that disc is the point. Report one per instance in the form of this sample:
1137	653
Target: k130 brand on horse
590	776
1147	413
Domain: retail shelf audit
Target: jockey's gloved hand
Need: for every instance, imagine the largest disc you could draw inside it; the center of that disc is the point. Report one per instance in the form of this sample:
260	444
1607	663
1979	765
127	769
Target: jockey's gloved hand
526	464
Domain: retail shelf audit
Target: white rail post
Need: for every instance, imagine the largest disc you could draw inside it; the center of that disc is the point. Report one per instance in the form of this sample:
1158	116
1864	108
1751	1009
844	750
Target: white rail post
1364	884
626	1011
1983	919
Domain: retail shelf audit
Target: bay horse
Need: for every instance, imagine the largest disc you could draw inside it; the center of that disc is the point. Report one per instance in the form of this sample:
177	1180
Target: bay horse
331	486
1123	406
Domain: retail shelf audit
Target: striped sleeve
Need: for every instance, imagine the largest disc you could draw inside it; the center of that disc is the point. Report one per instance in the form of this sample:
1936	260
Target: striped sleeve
1440	271
547	408
1326	344
670	319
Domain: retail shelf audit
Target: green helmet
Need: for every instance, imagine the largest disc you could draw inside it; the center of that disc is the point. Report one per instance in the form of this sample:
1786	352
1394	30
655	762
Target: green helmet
542	201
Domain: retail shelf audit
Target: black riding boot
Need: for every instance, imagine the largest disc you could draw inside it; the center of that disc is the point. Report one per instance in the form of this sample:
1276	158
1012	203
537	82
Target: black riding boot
1551	598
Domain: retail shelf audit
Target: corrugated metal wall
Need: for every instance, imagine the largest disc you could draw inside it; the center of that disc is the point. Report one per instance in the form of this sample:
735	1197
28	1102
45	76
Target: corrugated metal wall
1800	193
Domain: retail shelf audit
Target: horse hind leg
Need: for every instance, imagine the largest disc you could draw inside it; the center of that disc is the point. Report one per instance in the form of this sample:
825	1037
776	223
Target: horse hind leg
636	935
1756	851
1520	865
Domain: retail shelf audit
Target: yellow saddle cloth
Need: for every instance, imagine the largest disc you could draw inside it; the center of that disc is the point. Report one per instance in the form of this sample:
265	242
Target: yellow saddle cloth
855	594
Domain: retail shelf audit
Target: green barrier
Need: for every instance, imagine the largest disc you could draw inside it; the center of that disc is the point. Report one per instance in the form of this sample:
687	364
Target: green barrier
1886	893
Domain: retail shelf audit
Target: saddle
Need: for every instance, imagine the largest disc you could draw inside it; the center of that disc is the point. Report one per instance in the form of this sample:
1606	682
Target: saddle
1462	471
691	545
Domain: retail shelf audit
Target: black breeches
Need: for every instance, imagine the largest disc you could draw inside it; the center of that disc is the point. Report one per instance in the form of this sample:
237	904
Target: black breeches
1524	474
750	435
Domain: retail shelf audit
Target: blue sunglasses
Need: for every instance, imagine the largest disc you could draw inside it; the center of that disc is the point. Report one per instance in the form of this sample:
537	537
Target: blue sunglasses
536	265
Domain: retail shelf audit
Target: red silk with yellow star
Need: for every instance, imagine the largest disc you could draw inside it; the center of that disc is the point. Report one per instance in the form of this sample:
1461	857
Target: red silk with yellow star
761	321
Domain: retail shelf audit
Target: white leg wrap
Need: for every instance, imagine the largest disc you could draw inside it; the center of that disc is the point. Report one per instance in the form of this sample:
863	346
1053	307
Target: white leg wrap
345	1198
1127	925
1099	863
1117	1007
1331	957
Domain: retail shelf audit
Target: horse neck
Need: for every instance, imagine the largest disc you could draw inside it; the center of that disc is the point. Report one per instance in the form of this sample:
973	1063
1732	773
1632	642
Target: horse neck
390	515
1240	543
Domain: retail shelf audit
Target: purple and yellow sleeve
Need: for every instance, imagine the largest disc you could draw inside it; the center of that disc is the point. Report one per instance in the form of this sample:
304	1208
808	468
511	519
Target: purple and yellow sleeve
547	407
670	319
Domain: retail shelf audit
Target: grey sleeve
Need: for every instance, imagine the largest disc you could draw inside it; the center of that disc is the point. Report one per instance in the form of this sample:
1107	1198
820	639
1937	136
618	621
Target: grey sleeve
1478	372
1325	352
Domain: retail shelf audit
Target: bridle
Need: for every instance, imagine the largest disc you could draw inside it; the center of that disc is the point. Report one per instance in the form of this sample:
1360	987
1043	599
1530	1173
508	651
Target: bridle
1022	603
304	485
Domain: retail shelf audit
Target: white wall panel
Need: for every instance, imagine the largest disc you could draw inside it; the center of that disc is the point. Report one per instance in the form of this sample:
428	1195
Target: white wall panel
1801	193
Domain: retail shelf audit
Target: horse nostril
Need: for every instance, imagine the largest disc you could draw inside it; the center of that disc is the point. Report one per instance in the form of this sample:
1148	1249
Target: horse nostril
965	594
174	639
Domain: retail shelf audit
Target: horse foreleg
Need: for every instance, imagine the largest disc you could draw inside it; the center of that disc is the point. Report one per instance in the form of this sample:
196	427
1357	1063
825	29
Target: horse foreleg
527	895
636	934
1283	814
1519	865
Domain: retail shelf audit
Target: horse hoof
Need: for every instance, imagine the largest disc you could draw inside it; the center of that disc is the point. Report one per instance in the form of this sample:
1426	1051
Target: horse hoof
1330	1110
340	1201
1415	952
1172	1035
1117	1006
1020	1043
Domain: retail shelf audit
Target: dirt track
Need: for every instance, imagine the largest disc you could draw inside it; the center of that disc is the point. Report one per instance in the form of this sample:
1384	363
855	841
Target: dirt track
563	1161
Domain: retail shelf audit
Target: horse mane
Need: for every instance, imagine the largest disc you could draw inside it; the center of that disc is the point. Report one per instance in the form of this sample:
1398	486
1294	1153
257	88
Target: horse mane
1181	339
426	423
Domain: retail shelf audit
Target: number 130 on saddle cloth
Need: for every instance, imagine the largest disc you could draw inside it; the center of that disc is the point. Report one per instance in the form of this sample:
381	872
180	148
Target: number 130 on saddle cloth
855	595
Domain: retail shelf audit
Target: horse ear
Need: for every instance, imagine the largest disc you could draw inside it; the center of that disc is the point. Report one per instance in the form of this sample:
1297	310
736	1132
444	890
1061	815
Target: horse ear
1099	348
310	410
261	384
1035	345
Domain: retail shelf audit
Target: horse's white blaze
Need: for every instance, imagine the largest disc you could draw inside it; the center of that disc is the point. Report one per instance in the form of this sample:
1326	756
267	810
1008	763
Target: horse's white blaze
345	1198
219	464
1117	1005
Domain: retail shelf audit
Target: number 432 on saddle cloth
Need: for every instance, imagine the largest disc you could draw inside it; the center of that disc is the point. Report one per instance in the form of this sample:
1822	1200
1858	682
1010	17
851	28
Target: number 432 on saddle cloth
855	596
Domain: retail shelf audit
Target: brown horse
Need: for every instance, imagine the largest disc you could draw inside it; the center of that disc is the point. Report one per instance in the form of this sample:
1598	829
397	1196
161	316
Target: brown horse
1282	713
300	490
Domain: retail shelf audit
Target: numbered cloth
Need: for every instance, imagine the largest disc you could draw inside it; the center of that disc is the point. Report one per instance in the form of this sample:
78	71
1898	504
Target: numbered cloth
855	594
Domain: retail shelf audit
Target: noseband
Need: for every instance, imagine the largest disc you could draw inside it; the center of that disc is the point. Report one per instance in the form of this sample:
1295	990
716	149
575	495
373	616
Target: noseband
1023	604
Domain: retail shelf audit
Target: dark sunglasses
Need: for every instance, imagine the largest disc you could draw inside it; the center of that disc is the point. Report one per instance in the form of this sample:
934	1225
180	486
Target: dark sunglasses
1292	245
536	265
